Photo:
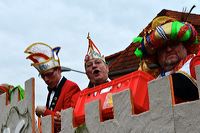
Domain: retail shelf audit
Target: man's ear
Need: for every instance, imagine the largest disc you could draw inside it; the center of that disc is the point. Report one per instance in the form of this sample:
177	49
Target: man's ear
107	67
58	69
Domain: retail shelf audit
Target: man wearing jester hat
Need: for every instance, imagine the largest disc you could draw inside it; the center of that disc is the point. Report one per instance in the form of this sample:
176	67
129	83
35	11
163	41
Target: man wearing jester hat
174	46
96	70
61	90
95	65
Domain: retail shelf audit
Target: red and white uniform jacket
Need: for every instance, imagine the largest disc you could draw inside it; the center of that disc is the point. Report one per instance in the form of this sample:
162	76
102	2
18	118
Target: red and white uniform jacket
63	97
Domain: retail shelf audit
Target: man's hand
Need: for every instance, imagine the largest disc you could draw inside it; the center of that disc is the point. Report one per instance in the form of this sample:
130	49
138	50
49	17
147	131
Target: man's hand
40	110
57	121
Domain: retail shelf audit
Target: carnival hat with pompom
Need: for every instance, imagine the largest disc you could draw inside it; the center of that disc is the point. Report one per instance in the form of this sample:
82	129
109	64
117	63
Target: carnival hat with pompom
43	56
93	52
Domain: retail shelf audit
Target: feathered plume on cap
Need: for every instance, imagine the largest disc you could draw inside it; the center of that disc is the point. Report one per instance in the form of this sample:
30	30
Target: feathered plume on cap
93	51
43	56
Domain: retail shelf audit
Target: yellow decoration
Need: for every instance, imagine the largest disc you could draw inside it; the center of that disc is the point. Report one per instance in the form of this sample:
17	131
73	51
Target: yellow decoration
108	101
160	21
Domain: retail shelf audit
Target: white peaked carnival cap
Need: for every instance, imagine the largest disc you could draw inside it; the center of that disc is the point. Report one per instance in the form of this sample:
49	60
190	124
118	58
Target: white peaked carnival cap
43	56
93	51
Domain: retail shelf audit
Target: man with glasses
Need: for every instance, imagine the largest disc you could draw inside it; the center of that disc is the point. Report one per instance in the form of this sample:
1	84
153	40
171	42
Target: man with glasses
173	46
61	90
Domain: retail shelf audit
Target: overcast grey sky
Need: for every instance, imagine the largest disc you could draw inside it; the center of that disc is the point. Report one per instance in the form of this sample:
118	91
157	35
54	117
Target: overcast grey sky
112	25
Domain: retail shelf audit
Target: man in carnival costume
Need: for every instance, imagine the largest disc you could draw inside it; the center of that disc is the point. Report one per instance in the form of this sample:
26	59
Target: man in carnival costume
95	66
174	46
61	90
96	70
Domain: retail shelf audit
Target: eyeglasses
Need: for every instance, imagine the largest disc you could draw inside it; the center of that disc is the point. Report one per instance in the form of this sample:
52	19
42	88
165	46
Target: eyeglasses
48	74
